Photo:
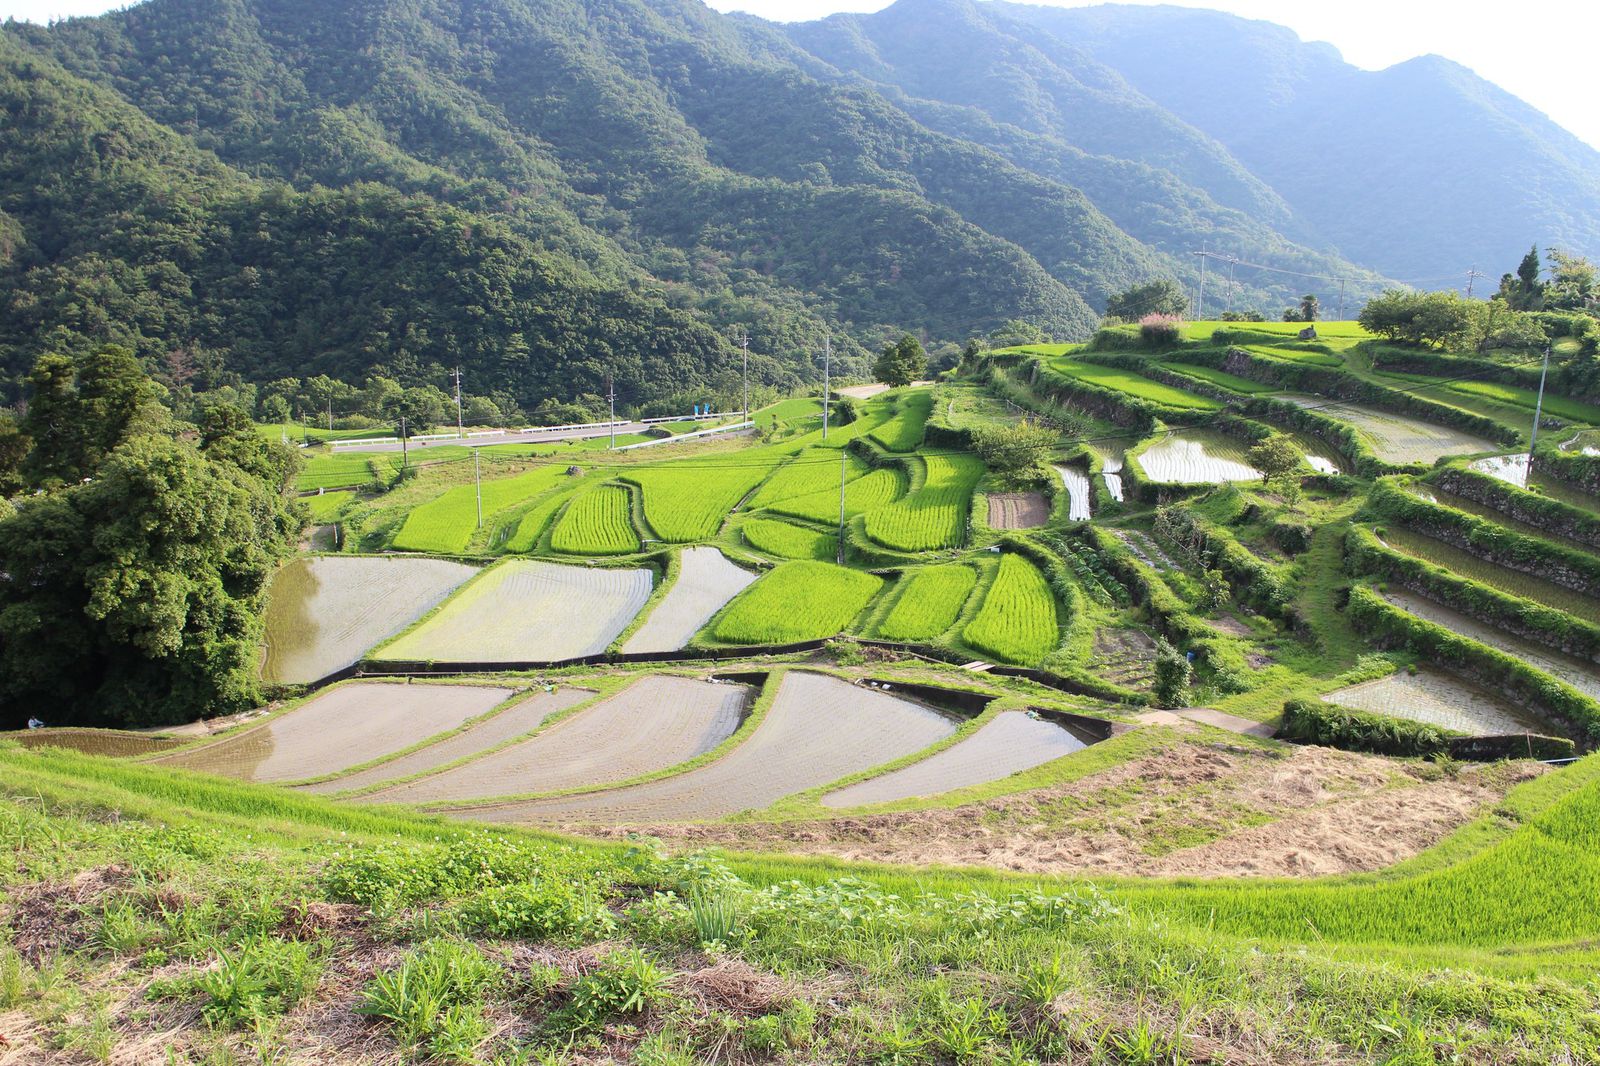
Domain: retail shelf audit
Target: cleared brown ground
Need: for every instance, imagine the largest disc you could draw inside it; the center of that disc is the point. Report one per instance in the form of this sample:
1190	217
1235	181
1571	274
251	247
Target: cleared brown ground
655	723
1017	510
343	727
521	717
1197	809
817	730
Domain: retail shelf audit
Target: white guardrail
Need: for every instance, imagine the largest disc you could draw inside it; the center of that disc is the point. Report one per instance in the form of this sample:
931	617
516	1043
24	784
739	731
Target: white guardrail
687	436
358	442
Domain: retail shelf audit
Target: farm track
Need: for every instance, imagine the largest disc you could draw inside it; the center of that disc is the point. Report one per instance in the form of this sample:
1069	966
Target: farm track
340	728
706	582
522	717
1007	744
653	724
1435	698
324	612
525	610
1017	510
817	730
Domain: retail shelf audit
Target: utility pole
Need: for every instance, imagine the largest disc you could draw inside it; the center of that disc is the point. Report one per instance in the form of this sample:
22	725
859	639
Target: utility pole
477	480
405	453
1538	410
1473	274
330	414
1341	299
744	345
1232	260
460	430
1200	296
827	357
611	398
839	555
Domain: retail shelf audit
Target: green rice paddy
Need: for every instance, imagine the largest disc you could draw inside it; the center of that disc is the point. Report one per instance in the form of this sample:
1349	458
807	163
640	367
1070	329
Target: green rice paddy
796	601
1133	384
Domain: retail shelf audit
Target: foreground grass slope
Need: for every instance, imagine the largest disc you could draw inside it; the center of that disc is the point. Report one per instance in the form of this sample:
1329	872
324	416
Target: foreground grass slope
206	921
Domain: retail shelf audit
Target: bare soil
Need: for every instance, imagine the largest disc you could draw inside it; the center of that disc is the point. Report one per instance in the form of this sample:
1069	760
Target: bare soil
1197	809
1017	510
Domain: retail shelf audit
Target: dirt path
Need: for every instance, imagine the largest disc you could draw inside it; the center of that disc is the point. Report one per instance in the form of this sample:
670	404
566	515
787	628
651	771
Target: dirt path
1017	510
1196	809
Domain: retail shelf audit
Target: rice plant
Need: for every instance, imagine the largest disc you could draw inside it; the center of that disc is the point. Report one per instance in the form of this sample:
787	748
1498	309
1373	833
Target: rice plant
1127	381
797	601
599	522
789	541
1017	622
935	516
685	504
877	489
929	603
447	522
904	431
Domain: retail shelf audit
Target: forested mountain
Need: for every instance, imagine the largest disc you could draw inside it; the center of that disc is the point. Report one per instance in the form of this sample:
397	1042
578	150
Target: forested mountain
545	190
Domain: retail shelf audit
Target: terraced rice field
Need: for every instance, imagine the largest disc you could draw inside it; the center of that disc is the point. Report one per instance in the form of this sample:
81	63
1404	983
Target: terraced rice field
1017	622
1107	377
1220	378
342	727
521	610
929	601
1513	582
1009	743
447	522
1396	438
326	505
532	523
337	471
653	724
1111	474
706	582
1436	698
814	470
1295	355
904	431
1579	673
520	718
874	490
1433	494
1017	510
817	730
325	611
1076	484
685	504
935	516
789	541
797	601
1196	457
597	522
1513	469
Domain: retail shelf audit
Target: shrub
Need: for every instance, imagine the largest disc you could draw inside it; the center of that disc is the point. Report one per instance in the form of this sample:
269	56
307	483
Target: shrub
1161	331
1315	722
1173	673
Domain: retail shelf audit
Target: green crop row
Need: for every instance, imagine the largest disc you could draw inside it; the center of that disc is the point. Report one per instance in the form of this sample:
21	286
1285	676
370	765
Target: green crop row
598	522
929	602
796	601
904	431
684	504
814	470
934	516
1017	622
447	522
878	488
789	541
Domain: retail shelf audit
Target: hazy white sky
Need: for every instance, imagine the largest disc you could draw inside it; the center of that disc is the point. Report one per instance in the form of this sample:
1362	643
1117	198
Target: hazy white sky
1538	51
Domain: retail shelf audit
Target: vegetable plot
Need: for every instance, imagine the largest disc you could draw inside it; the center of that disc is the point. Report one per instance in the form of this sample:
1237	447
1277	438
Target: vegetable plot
1018	620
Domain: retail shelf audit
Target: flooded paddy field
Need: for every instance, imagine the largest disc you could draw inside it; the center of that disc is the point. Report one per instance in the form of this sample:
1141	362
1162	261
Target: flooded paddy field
1396	438
523	610
112	743
1580	674
1482	510
1512	582
1513	469
342	727
1017	510
325	611
1436	698
520	718
706	582
1075	483
817	730
653	724
1009	743
1197	457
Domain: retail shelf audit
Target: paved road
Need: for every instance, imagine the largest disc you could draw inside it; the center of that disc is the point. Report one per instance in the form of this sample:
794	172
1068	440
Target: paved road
513	437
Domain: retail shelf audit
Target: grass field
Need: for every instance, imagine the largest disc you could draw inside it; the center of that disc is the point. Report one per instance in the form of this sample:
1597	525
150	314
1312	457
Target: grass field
326	506
1134	385
797	601
1017	622
935	516
446	523
789	541
928	603
598	522
1220	378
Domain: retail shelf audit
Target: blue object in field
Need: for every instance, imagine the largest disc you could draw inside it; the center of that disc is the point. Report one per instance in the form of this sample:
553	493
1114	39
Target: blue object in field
1189	655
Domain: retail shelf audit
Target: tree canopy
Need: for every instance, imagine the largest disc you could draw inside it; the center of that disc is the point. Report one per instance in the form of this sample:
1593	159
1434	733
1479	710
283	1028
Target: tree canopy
901	362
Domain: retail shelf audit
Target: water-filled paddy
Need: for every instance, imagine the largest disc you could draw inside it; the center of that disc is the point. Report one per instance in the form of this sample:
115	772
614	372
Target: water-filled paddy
325	611
520	718
1445	498
342	727
523	610
1512	582
817	730
1076	484
1513	469
112	743
1196	457
1396	438
1436	698
1009	743
706	582
653	724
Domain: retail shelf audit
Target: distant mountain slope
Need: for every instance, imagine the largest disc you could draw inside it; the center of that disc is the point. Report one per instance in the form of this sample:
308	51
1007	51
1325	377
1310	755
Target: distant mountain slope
1409	170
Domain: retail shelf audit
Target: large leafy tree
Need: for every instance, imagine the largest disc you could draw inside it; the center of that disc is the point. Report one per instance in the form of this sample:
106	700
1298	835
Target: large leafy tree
132	595
1160	297
901	362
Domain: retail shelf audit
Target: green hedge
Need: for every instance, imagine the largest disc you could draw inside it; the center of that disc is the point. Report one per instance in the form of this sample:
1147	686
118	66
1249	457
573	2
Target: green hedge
1256	583
1490	541
1554	701
1437	364
1518	503
1367	556
1575	468
1332	726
